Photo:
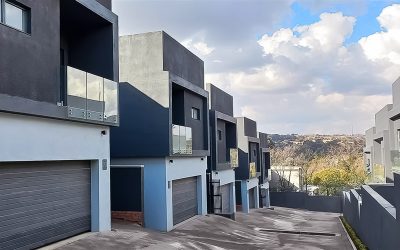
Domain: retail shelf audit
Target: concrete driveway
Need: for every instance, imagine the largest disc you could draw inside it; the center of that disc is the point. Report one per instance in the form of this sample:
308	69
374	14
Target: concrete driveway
281	228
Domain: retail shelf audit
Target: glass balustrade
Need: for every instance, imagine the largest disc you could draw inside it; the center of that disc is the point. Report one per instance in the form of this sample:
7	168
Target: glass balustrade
181	140
91	97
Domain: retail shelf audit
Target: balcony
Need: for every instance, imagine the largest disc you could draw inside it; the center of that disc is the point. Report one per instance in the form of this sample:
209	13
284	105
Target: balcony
91	97
181	140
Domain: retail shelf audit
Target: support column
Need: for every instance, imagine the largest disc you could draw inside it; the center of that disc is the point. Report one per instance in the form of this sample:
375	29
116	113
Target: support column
245	197
100	195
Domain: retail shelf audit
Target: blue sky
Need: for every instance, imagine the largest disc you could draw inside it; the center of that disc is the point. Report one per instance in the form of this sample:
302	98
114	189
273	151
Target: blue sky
294	66
365	11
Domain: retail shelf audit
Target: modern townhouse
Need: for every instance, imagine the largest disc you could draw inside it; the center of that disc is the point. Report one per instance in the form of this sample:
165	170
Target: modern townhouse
378	203
382	148
369	151
394	127
382	144
265	175
247	190
159	153
58	99
223	154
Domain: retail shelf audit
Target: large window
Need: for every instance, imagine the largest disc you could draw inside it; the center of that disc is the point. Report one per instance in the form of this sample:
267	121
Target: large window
15	15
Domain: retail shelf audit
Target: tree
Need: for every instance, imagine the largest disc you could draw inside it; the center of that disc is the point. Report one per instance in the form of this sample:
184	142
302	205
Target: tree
330	181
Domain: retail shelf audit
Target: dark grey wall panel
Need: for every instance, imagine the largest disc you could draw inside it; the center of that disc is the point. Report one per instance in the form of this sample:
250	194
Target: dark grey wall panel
126	189
181	62
250	127
42	202
254	154
376	211
199	127
386	191
34	71
265	165
302	200
252	201
178	106
242	172
88	40
147	118
238	192
106	3
221	142
220	100
184	199
263	140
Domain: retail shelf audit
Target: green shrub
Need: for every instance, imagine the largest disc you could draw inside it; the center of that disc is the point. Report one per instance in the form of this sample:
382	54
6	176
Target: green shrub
354	237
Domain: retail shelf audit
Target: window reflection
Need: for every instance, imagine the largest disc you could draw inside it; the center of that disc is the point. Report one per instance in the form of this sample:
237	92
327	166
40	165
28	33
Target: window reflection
14	16
91	97
110	100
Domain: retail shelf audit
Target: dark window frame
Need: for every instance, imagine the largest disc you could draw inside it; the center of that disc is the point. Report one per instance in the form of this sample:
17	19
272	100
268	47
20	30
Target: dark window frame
196	113
219	135
26	15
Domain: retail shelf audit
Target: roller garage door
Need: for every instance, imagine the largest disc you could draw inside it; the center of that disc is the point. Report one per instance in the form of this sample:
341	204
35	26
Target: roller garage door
184	199
43	202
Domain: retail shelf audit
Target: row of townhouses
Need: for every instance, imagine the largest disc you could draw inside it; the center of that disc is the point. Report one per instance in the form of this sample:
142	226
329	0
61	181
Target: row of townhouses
378	203
382	147
97	126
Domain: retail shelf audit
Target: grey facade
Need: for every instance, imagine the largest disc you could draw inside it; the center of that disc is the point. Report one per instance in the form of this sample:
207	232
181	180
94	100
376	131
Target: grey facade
265	167
382	149
164	128
249	148
54	164
165	97
223	140
249	169
81	34
376	205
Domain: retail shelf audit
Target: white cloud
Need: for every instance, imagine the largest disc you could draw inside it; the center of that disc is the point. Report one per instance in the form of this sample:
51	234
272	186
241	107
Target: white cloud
200	47
315	82
334	98
384	47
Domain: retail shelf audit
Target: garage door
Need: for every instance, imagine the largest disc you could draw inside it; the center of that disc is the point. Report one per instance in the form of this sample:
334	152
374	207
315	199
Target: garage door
184	199
225	195
43	202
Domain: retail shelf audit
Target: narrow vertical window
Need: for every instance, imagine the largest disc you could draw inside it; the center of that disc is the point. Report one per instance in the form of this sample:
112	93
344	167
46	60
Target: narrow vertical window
1	11
196	113
220	135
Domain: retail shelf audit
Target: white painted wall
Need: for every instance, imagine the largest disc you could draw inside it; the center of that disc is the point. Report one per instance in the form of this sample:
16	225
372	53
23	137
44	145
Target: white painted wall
246	185
26	138
227	177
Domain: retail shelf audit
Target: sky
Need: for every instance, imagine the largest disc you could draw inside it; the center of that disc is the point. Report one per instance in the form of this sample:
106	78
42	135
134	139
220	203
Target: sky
303	67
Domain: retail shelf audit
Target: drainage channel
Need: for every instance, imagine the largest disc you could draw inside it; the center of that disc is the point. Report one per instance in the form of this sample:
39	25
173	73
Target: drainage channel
296	232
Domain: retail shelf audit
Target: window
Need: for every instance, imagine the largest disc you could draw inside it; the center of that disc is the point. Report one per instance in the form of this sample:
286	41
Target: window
15	15
196	113
220	135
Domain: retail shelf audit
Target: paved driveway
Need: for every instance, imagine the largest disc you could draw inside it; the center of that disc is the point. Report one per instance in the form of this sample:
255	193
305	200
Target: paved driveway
261	229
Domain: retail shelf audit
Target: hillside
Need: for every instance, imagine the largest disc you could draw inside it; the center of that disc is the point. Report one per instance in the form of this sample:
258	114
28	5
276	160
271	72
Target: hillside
311	146
331	162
